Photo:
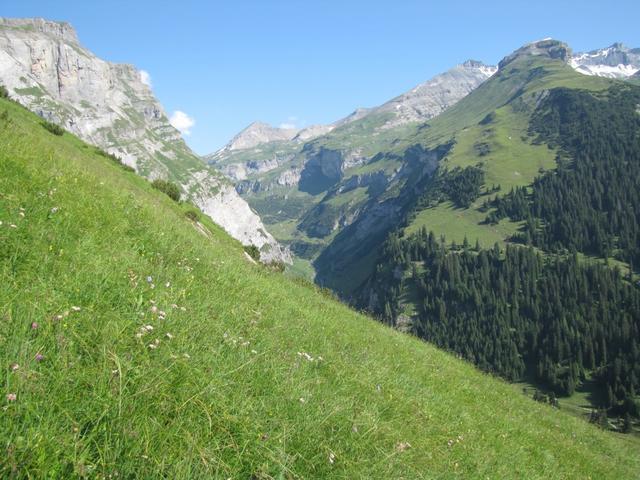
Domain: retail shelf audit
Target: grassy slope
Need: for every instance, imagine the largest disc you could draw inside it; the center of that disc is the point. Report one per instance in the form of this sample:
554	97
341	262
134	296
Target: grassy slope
205	403
513	159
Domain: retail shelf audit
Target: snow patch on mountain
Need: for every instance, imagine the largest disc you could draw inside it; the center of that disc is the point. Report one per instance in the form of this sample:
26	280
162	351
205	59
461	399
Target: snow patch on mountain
616	61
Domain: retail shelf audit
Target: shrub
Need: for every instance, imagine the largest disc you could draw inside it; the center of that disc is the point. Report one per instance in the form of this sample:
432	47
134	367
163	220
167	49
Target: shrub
53	128
4	93
115	159
192	215
276	266
169	188
253	252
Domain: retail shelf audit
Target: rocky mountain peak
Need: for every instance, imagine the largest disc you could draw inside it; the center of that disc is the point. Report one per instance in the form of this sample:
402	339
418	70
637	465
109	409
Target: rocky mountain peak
547	47
615	61
473	64
258	133
61	30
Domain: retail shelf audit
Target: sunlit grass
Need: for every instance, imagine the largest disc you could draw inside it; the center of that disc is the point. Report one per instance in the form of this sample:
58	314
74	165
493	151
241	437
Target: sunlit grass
184	360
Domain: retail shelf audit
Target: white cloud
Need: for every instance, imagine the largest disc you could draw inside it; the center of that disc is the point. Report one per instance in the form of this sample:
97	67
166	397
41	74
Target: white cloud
145	78
290	123
182	122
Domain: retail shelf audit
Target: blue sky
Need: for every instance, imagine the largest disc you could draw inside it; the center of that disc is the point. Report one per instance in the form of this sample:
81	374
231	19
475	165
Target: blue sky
226	64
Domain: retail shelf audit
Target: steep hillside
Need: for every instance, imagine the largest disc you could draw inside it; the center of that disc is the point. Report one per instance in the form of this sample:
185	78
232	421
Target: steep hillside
136	343
489	128
111	105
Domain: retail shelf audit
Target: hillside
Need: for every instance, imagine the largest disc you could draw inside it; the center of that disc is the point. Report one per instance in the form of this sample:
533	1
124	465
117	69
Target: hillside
138	344
521	252
45	67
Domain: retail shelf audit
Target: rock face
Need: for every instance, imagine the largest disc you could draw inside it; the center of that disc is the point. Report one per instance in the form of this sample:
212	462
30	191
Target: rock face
616	61
45	68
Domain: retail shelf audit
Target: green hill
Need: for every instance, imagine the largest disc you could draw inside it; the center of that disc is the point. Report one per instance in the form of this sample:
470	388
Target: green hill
136	343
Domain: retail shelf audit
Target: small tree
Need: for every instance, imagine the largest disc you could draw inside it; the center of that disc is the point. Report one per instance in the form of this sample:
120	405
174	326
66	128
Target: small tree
53	128
169	188
253	251
4	93
192	215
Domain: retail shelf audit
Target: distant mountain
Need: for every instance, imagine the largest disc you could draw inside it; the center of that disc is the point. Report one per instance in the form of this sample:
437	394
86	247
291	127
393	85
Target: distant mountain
616	61
112	106
285	179
258	133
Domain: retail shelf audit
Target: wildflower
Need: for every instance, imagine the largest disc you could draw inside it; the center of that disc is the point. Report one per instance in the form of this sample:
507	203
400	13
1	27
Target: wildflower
168	335
450	443
54	210
11	397
302	400
168	284
13	225
402	446
183	309
162	314
153	346
173	305
245	344
154	309
254	352
21	214
34	325
186	355
332	458
58	317
39	357
75	309
149	279
14	367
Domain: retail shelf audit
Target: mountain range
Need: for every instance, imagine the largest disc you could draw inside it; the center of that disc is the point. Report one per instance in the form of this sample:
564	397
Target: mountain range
309	187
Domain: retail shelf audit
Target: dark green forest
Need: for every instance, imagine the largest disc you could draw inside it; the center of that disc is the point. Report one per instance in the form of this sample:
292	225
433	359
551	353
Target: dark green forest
538	309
